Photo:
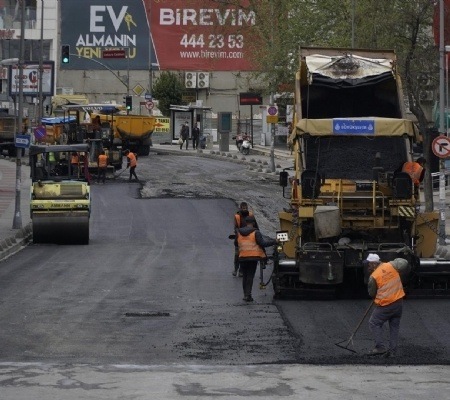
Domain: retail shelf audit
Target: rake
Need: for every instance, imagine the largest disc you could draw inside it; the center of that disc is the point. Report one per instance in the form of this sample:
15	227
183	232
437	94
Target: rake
350	339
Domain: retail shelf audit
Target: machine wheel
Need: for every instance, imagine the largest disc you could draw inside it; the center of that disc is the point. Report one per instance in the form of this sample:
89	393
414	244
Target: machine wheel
245	151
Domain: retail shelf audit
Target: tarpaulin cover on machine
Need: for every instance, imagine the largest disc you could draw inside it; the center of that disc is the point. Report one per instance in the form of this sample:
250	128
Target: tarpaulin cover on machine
203	35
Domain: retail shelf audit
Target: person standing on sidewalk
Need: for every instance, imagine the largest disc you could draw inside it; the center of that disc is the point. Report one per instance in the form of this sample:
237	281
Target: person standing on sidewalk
131	163
195	136
184	134
386	288
251	245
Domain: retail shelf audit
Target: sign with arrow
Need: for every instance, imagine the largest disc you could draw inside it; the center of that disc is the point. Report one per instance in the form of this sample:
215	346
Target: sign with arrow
441	146
22	141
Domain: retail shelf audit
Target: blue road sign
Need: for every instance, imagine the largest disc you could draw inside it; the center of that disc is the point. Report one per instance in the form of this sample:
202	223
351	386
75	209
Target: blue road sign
148	96
23	141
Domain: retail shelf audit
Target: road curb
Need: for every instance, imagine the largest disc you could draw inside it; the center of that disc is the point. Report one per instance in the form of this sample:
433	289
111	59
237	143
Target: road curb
16	242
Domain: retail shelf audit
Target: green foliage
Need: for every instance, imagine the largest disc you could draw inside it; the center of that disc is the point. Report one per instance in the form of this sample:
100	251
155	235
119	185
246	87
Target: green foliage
168	90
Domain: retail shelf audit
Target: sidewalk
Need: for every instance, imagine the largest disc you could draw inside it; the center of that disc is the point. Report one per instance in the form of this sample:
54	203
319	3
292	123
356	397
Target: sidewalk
13	240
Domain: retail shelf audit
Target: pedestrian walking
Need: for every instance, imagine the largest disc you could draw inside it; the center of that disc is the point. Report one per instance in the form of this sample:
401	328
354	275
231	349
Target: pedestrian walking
251	245
102	163
195	136
386	288
184	134
131	163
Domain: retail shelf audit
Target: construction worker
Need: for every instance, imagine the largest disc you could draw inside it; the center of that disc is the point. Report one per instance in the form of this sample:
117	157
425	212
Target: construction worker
75	163
416	170
239	222
386	288
102	165
131	163
251	245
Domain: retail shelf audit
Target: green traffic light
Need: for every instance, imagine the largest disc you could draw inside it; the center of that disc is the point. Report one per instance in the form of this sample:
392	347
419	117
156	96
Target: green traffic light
65	60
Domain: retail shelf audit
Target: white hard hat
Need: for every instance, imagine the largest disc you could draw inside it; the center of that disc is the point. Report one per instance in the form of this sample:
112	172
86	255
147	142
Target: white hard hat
372	257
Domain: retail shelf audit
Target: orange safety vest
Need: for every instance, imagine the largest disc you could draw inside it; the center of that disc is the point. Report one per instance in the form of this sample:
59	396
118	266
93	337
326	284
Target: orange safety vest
237	219
414	170
74	159
102	160
248	246
389	284
132	159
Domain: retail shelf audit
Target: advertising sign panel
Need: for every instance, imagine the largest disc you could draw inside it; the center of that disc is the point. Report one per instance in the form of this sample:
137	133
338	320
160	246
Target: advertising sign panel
30	78
90	27
202	35
195	35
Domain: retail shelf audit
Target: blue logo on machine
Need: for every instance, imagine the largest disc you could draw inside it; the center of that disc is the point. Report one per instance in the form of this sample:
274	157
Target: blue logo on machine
354	126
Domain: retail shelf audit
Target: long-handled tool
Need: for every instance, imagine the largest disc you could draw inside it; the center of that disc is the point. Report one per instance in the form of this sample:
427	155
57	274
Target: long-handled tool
350	339
120	173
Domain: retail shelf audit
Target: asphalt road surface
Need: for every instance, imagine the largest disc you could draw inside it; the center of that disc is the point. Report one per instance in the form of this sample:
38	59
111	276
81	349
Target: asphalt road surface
154	287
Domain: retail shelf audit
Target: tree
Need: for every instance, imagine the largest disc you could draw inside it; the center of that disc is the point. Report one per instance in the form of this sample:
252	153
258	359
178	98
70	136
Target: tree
168	89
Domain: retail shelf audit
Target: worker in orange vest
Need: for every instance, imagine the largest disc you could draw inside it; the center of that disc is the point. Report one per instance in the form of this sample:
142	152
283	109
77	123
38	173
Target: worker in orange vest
102	166
416	170
131	163
251	245
386	288
239	222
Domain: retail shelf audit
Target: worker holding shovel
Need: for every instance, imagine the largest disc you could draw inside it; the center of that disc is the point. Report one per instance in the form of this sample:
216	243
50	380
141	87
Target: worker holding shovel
386	288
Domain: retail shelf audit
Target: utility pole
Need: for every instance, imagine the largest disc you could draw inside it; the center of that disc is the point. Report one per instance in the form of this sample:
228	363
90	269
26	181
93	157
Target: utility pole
441	123
17	221
41	66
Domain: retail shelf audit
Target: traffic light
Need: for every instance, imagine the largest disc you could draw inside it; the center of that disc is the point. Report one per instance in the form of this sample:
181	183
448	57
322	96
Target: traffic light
65	54
129	102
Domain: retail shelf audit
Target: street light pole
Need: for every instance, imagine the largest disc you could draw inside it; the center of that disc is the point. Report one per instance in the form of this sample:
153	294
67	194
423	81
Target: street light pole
17	221
41	66
441	123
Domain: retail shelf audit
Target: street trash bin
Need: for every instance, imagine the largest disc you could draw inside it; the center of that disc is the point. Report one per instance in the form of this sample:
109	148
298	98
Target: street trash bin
202	142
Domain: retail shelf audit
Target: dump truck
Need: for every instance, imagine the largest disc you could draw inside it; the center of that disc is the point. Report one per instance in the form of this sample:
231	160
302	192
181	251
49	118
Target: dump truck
133	132
347	196
60	203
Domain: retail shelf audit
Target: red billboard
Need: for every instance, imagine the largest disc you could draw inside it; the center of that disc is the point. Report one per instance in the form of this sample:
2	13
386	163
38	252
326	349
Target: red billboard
203	35
194	35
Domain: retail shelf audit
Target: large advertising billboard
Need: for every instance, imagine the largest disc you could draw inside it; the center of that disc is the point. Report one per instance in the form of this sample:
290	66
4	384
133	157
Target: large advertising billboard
194	35
91	26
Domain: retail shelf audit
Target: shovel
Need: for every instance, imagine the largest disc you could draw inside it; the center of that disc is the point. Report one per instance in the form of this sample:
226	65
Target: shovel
350	339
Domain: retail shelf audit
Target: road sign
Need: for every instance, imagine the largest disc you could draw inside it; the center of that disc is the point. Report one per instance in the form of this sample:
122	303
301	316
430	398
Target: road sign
272	119
441	146
272	110
113	53
23	141
148	96
149	105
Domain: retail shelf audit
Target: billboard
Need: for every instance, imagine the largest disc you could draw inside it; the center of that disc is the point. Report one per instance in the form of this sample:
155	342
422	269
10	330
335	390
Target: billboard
201	35
90	27
30	78
195	35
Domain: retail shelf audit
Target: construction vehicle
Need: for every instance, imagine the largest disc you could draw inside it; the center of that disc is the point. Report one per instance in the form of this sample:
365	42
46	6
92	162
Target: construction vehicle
133	132
347	198
60	202
8	127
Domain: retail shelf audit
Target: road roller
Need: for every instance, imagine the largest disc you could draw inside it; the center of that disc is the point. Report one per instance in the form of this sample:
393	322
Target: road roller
60	202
